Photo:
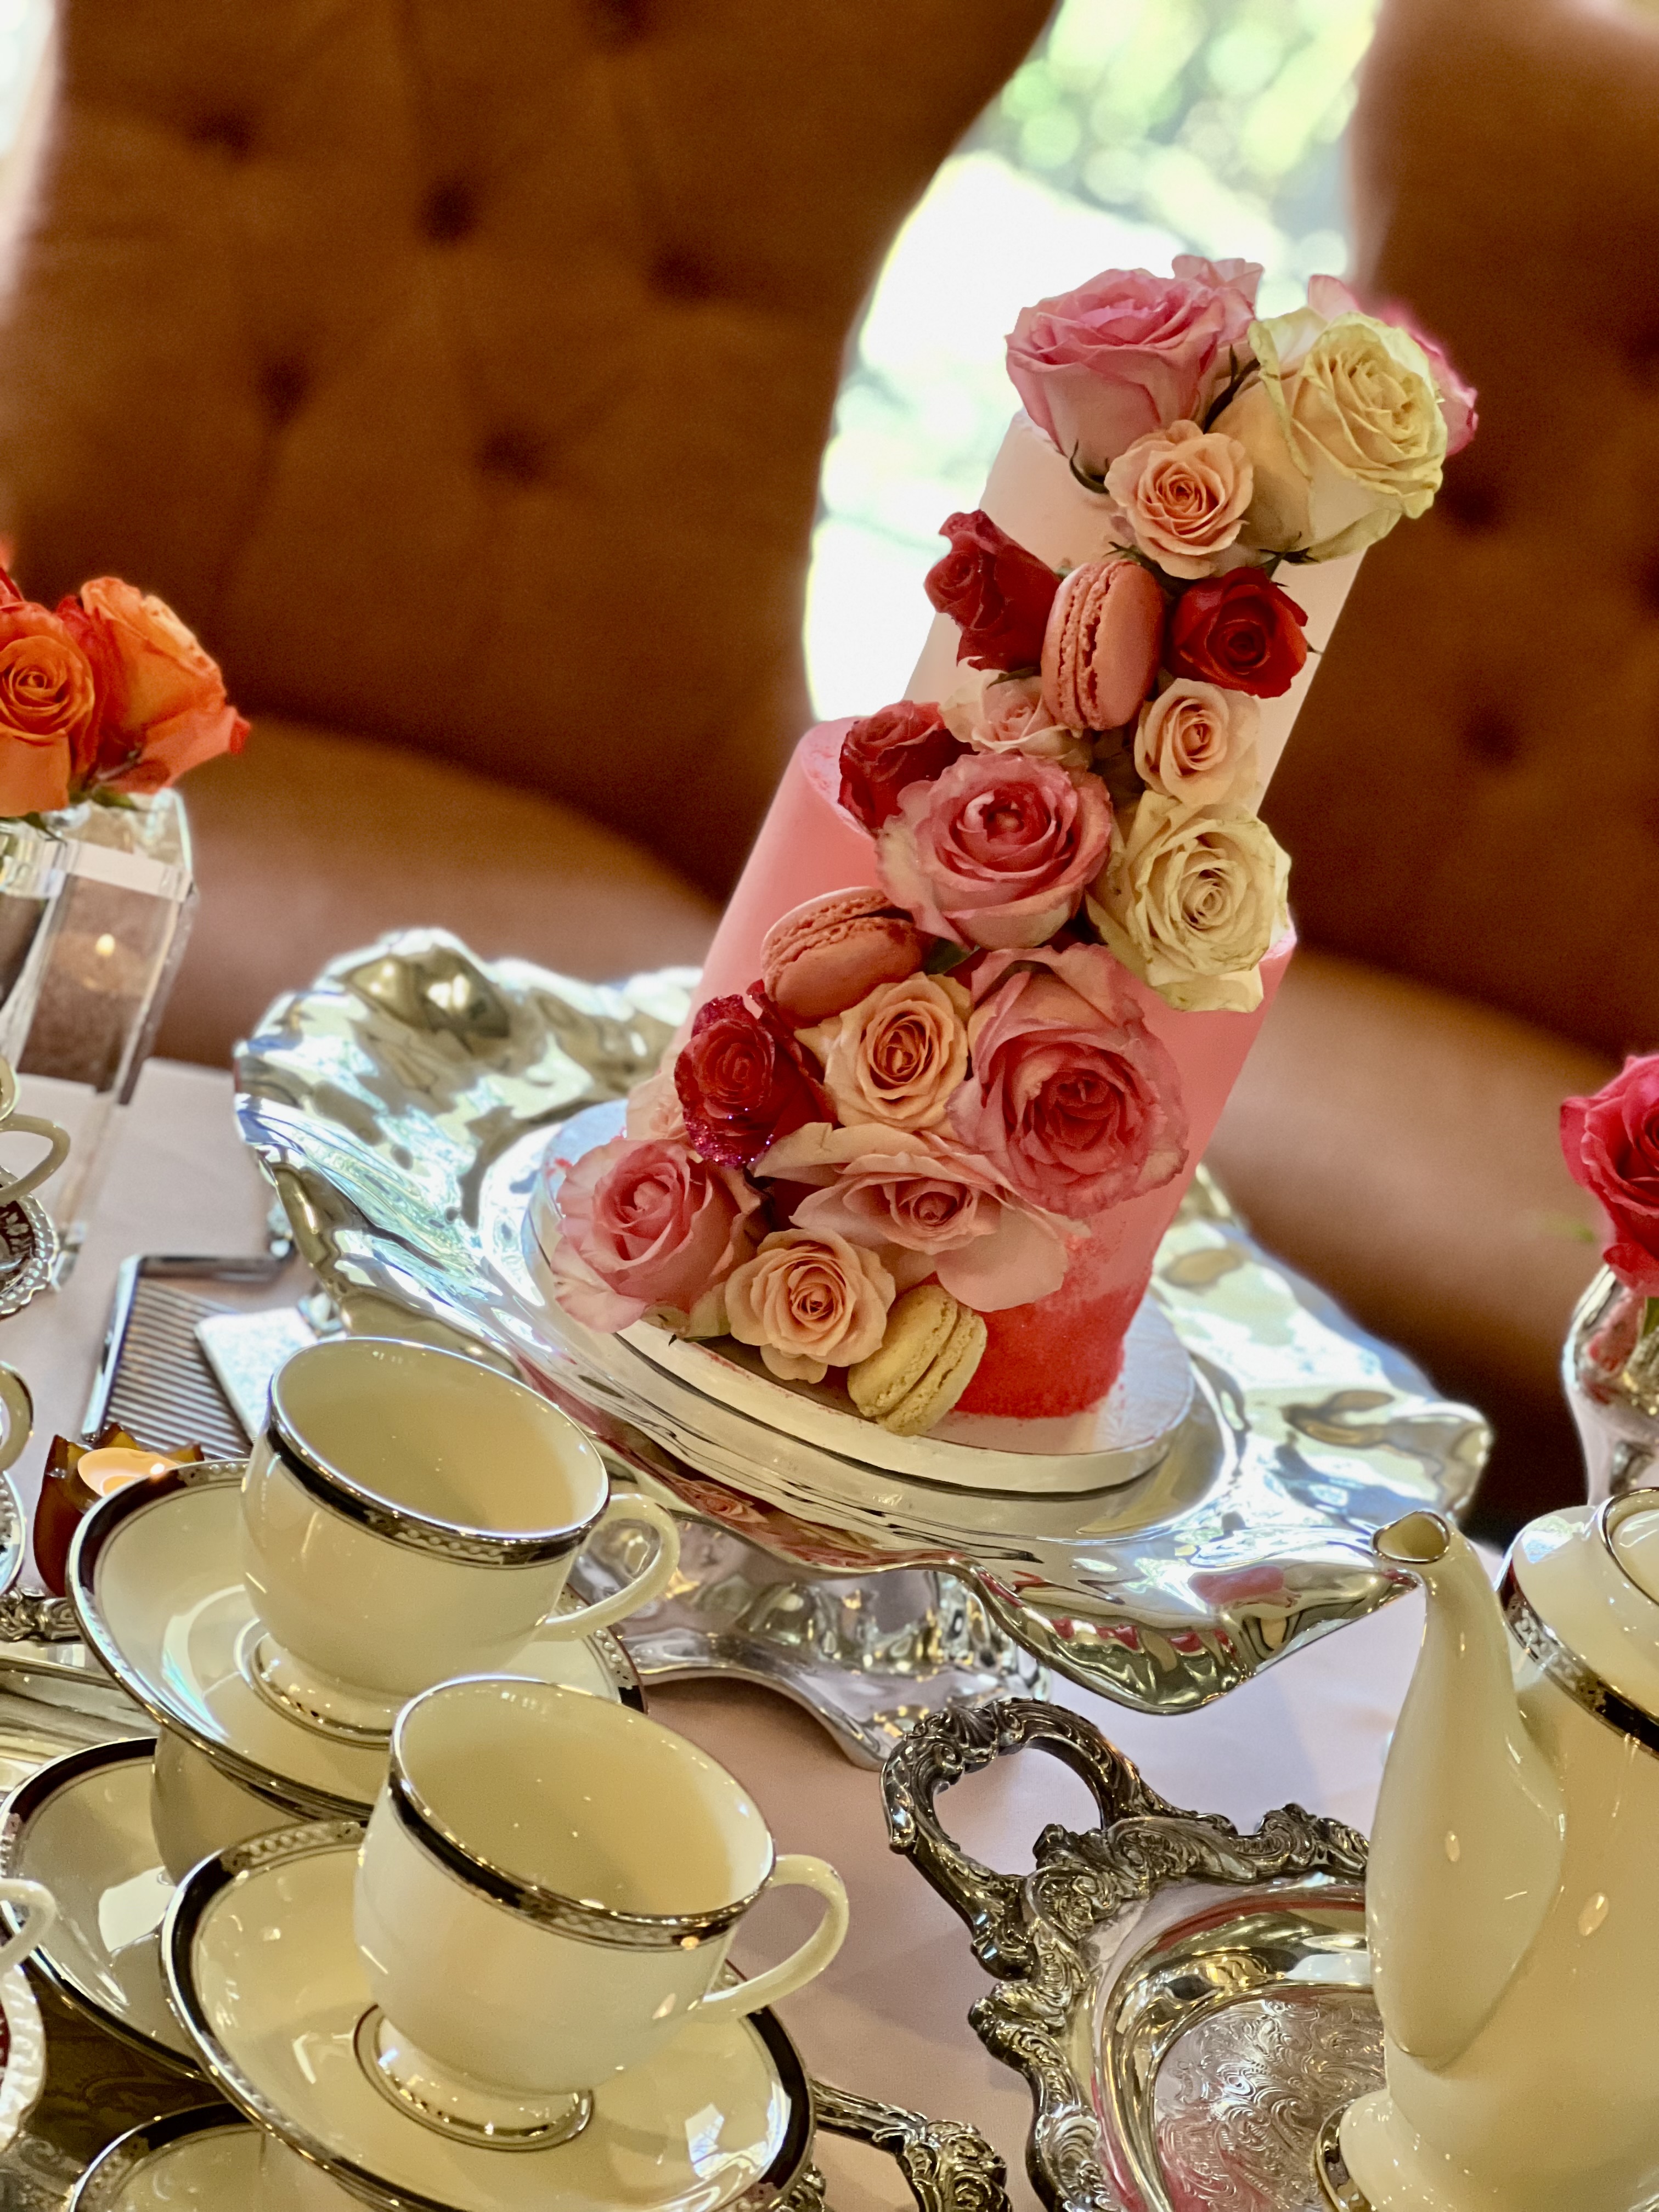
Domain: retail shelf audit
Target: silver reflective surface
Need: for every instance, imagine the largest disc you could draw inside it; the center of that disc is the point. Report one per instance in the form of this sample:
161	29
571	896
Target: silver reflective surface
402	1102
1189	2006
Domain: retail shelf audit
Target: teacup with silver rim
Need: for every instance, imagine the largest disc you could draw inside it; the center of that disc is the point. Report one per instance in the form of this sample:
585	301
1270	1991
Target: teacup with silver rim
547	1893
408	1516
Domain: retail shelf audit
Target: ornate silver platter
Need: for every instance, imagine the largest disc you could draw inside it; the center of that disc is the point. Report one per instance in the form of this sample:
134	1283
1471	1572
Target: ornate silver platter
401	1104
1189	2006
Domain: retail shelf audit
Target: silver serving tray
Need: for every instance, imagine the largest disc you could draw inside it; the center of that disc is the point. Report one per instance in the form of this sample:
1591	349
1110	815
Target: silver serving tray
399	1103
1189	2007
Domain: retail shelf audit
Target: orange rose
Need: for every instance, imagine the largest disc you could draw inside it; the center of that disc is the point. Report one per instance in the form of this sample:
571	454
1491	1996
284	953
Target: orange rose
161	704
46	702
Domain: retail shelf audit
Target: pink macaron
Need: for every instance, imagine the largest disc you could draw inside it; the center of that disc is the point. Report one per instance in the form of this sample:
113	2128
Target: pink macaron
1100	652
825	955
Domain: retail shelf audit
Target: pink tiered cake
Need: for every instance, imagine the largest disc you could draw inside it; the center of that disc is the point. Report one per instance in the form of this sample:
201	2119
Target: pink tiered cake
975	1007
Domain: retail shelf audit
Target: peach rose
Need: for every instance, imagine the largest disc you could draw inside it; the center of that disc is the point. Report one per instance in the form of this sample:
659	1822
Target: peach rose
46	701
161	704
997	714
1196	742
998	851
898	1055
1183	493
654	1106
811	1301
926	1207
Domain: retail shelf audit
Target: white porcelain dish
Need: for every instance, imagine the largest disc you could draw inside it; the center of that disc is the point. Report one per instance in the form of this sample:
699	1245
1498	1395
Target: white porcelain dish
156	1580
265	1974
84	1824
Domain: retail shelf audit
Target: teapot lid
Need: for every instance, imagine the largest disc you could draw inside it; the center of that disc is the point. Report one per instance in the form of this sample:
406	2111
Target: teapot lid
1580	1593
1634	1536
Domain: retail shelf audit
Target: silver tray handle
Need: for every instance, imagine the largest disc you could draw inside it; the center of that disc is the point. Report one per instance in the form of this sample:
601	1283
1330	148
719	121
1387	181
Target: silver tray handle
947	2166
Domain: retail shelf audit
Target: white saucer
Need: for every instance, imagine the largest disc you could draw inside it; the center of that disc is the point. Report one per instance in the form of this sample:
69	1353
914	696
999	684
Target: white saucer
265	1975
156	1580
1123	1438
82	1826
205	2161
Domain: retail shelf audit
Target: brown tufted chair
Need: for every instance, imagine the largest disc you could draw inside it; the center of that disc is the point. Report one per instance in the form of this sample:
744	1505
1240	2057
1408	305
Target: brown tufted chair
1472	795
459	369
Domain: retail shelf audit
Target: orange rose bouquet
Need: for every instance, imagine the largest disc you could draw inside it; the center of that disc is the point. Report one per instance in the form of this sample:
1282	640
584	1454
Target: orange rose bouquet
109	697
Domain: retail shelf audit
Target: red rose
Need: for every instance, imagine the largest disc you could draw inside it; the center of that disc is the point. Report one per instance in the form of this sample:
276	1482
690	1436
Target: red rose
1611	1143
743	1083
897	745
1238	630
997	593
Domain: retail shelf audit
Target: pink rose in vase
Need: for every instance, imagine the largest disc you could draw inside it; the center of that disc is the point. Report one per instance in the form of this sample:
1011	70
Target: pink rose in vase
1129	352
998	851
928	1208
646	1225
1611	1144
1072	1098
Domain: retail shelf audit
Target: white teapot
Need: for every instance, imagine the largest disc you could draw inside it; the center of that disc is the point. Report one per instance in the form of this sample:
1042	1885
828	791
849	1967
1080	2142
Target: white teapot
1513	1894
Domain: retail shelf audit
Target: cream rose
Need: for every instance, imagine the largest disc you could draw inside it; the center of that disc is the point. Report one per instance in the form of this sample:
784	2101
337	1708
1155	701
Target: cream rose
1196	742
1191	899
998	713
811	1302
898	1055
1344	430
1181	494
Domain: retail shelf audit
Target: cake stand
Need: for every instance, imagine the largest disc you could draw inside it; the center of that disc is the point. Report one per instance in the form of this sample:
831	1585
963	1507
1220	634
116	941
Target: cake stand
402	1104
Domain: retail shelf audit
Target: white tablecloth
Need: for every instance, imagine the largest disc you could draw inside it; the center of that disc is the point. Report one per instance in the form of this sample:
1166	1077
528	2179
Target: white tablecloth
890	2018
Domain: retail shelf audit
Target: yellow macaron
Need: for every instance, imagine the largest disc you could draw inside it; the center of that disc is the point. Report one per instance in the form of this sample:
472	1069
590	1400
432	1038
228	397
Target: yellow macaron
924	1362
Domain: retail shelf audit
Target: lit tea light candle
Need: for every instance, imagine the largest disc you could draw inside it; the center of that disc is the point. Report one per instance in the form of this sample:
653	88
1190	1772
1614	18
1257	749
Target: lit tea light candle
112	1467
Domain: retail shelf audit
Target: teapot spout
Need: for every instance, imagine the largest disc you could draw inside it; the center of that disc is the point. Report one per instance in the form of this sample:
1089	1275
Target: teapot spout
1469	1831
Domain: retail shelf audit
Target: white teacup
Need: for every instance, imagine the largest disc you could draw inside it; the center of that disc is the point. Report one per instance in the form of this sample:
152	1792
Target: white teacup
547	1893
409	1516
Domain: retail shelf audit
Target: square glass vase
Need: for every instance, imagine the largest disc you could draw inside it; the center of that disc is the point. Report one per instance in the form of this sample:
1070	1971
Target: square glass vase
115	932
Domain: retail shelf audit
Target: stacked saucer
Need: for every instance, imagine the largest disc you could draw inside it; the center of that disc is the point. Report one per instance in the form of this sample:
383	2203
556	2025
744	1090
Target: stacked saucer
474	2007
425	1511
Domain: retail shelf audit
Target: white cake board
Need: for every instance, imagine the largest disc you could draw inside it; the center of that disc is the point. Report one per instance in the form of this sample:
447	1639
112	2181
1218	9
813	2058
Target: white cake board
1116	1441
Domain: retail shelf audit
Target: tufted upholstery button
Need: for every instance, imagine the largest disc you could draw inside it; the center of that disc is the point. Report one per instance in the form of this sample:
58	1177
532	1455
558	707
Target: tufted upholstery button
515	453
678	275
450	213
619	22
282	388
1468	499
224	134
1492	735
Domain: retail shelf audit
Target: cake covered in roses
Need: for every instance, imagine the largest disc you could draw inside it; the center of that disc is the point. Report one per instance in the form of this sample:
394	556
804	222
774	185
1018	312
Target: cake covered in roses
976	1004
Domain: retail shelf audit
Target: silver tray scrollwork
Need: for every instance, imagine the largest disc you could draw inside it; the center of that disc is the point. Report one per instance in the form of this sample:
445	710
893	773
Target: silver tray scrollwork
1189	2005
401	1104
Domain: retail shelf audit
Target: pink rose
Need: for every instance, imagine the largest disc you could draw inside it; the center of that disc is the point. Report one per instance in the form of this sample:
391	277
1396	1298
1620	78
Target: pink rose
1182	494
811	1301
643	1224
1329	296
898	1055
995	713
927	1208
1100	653
1129	352
998	852
1073	1099
1611	1143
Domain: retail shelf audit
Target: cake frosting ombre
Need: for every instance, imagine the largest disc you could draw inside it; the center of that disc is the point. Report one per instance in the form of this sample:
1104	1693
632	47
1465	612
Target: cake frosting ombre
976	1004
